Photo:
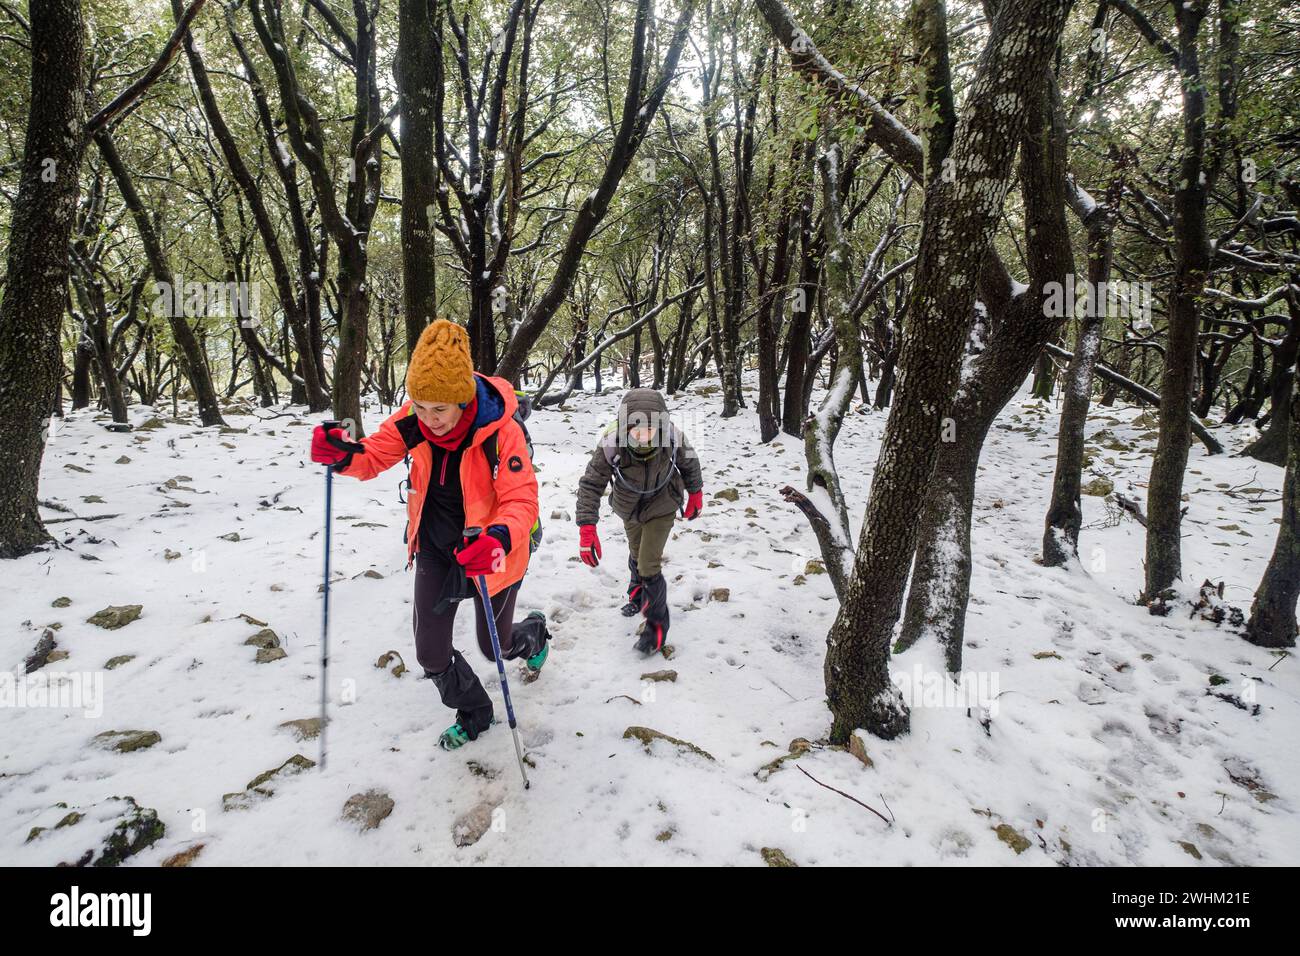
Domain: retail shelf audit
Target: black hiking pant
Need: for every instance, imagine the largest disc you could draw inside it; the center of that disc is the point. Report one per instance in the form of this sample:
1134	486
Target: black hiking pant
440	583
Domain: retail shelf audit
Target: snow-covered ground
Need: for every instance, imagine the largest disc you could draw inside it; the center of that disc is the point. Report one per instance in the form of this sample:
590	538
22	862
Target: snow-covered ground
1116	738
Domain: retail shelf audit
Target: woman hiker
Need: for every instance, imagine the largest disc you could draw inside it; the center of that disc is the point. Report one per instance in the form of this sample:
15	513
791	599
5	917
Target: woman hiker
651	465
448	426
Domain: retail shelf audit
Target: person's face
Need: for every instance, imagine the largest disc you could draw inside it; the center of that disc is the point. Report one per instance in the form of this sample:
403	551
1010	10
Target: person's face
438	417
640	436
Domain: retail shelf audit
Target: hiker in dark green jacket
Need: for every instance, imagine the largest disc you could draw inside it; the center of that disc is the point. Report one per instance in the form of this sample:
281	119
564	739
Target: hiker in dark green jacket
652	467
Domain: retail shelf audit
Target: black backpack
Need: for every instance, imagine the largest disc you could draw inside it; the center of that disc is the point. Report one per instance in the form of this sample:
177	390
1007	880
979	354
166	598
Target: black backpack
493	458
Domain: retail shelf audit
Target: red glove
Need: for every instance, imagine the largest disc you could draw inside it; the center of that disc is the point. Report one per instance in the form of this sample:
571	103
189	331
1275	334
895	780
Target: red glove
483	555
693	505
589	545
322	451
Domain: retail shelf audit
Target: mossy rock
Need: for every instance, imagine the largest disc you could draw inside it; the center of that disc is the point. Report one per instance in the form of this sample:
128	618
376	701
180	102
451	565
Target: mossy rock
115	662
859	750
136	829
306	728
115	616
129	741
139	830
61	602
727	494
294	765
1012	837
268	655
798	747
263	638
648	735
774	857
1110	442
368	809
1099	487
183	858
260	786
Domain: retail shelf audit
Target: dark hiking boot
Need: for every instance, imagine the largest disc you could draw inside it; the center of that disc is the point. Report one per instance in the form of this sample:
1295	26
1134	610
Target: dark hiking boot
653	632
530	639
459	687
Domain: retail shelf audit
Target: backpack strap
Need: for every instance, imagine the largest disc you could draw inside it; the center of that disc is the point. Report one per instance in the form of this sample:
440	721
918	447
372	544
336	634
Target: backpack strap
490	445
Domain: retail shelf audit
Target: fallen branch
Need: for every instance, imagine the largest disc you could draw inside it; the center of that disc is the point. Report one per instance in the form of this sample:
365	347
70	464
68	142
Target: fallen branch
1132	507
843	794
1108	374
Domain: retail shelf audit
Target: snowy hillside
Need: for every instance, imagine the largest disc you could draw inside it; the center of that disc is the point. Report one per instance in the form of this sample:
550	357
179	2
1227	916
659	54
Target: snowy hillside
1118	737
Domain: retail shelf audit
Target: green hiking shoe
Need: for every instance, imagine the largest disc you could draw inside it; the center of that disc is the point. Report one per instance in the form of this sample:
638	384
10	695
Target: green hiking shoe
457	736
533	664
453	737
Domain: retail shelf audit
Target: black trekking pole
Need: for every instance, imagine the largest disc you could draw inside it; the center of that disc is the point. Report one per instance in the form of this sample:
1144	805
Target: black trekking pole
325	612
470	535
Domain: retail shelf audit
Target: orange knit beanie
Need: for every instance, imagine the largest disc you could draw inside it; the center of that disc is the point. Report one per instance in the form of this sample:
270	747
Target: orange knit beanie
440	368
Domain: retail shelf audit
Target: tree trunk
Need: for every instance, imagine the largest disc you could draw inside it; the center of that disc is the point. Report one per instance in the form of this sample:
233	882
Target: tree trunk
37	274
797	342
1273	615
1178	379
958	223
1271	446
1064	513
940	589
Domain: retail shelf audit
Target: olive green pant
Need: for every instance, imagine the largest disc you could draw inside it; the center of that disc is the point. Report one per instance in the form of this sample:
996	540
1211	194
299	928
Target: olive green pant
645	544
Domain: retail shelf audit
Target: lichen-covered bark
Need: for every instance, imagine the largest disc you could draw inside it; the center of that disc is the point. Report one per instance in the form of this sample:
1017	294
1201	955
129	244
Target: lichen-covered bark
1192	261
1064	514
1271	446
823	427
412	68
1273	615
940	591
960	216
37	275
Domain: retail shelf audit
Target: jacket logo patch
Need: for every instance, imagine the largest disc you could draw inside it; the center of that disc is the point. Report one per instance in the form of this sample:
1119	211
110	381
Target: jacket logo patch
515	463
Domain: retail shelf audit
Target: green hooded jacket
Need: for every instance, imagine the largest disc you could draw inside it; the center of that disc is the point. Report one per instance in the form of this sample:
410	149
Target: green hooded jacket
644	486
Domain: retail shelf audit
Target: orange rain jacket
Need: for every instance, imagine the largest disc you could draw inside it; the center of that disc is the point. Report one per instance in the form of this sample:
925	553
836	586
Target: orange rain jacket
510	499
